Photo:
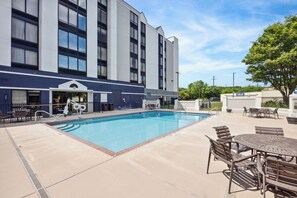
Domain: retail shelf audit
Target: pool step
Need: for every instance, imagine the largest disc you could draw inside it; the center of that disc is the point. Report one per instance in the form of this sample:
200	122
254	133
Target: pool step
74	127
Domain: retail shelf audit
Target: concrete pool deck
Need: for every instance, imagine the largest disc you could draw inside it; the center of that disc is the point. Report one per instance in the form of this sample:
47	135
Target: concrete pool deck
173	166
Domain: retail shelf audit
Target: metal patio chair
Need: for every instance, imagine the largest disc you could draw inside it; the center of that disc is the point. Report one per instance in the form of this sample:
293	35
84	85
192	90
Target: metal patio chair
278	176
269	130
222	152
224	136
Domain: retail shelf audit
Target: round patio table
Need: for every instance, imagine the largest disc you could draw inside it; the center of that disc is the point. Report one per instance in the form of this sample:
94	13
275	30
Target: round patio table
269	143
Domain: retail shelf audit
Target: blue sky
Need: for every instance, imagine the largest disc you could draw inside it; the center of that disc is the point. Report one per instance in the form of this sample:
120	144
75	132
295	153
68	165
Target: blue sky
214	35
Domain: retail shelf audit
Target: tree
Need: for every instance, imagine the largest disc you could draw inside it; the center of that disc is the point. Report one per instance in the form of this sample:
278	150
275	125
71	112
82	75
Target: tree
197	89
183	94
273	57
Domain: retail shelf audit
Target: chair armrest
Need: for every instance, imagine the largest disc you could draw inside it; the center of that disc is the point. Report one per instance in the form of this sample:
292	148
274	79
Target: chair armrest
245	158
259	165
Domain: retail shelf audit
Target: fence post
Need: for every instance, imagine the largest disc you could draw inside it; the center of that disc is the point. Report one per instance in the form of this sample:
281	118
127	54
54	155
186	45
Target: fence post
224	99
197	105
293	105
143	103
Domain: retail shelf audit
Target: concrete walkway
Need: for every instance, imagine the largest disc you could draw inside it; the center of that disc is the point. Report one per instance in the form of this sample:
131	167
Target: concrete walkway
173	166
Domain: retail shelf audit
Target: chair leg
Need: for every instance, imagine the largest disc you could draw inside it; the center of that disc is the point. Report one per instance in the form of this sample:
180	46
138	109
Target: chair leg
231	176
208	162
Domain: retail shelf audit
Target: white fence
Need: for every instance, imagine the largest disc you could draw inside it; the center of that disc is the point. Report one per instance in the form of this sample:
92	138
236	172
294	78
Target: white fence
236	103
186	105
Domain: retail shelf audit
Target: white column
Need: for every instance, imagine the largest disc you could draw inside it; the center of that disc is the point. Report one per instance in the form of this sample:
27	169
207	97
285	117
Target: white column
112	40
48	35
143	103
258	101
90	102
92	38
197	106
293	105
224	99
5	33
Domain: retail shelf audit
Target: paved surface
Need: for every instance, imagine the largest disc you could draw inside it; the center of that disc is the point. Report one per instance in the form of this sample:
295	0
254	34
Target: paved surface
173	166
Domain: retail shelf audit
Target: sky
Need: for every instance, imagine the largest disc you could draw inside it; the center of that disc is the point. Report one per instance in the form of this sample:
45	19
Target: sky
214	35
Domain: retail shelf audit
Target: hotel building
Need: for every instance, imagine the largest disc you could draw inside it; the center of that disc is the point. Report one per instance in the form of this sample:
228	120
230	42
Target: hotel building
92	51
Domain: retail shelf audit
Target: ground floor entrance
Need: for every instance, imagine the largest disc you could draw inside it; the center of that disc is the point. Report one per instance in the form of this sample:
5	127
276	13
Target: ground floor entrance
59	100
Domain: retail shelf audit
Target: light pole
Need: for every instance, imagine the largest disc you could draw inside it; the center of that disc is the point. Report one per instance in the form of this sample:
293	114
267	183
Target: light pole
233	83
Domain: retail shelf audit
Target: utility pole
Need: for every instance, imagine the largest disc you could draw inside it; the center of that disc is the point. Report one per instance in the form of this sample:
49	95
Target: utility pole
213	81
233	83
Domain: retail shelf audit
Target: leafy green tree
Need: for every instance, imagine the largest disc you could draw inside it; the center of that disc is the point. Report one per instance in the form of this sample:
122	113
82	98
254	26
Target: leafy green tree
183	94
197	89
273	57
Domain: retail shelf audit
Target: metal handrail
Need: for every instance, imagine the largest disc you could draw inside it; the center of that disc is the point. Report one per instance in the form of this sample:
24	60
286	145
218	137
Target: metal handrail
43	111
215	109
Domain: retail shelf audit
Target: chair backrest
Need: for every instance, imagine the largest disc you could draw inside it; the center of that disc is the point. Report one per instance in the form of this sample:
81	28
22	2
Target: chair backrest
269	130
20	113
223	132
281	173
220	150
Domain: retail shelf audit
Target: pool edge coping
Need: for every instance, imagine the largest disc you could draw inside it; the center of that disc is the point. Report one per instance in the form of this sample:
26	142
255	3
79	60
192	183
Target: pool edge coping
115	154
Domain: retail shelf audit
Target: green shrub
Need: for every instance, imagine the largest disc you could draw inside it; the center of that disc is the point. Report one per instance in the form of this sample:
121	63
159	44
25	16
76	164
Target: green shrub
274	104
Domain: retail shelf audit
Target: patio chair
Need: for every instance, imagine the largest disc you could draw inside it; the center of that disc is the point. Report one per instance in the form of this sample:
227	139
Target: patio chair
224	136
275	113
269	130
254	111
292	120
20	115
233	160
4	116
245	111
278	176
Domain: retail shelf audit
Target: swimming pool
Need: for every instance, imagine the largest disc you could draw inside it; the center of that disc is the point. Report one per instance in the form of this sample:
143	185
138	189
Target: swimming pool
118	133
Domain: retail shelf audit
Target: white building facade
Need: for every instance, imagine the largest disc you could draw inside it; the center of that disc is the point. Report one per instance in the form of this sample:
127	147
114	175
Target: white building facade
105	51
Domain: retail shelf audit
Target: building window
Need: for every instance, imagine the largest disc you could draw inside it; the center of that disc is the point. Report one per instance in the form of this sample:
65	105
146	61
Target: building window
82	22
82	4
73	1
28	6
82	44
102	35
71	17
102	71
143	28
23	56
63	61
24	31
63	13
102	16
133	48
133	62
142	40
103	2
133	77
102	53
133	18
82	66
72	41
142	67
133	33
143	80
142	53
72	63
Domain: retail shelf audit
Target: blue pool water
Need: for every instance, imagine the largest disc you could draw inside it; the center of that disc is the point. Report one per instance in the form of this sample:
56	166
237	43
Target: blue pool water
118	133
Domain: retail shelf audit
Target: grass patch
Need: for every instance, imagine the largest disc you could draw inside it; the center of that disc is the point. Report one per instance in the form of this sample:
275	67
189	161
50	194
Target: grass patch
217	105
